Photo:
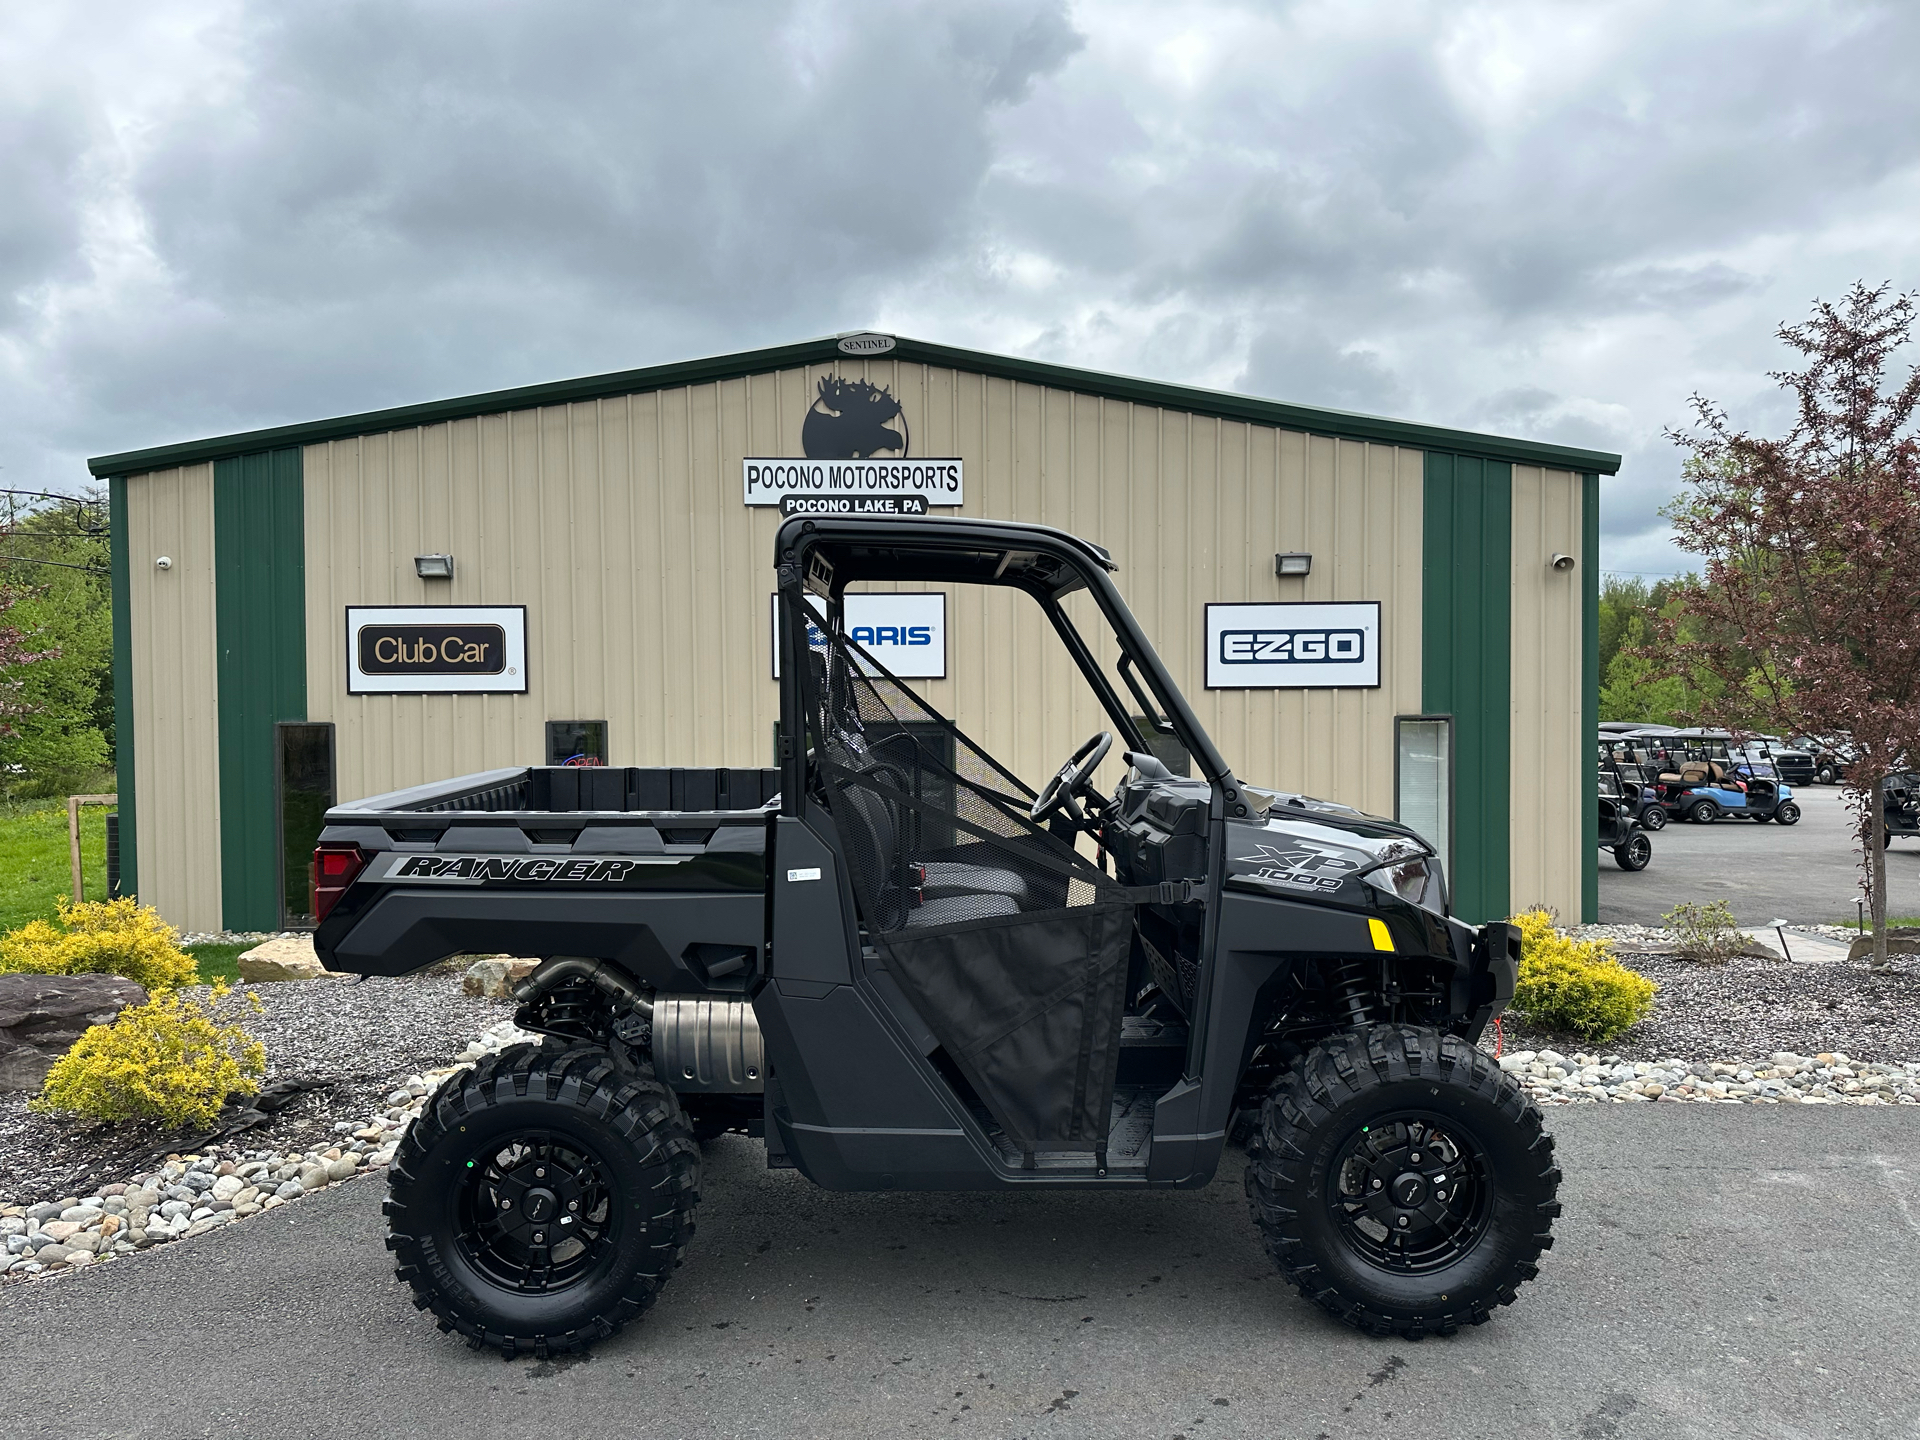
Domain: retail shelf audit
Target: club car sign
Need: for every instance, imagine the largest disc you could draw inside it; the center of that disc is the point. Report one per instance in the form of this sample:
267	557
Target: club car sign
436	650
1293	646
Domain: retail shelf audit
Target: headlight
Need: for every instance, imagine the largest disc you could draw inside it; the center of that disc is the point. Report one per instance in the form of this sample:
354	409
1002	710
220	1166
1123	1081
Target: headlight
1410	880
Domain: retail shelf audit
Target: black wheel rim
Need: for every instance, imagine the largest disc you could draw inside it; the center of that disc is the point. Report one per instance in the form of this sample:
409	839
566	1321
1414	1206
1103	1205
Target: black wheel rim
1410	1193
536	1213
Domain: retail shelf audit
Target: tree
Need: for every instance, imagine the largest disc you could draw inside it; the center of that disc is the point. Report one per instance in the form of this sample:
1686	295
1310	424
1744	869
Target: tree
1810	601
55	598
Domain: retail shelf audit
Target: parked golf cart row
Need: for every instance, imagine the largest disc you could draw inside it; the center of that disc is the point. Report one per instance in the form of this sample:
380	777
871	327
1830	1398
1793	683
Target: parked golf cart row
1799	759
1696	775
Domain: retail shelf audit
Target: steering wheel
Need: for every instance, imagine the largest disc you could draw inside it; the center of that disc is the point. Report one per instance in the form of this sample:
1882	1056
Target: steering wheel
1059	790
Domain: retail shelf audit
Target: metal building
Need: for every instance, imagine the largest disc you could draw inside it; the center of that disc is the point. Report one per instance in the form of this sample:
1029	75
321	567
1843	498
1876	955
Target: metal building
618	530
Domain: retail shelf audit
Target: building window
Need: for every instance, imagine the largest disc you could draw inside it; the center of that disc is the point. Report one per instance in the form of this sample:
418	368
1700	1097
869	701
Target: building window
576	742
1423	781
303	770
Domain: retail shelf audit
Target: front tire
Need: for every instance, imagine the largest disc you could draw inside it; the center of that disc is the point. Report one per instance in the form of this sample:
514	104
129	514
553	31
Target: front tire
1402	1182
542	1200
1788	813
1634	852
1655	818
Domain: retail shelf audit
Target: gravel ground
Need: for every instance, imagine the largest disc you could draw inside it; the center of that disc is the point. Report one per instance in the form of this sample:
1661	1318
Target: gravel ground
362	1036
1750	1008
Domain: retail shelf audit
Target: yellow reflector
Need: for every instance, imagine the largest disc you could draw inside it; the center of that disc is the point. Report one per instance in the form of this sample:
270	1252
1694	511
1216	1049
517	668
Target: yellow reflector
1382	939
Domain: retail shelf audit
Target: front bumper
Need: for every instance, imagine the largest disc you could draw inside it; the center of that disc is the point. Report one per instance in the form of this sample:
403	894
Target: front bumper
1492	969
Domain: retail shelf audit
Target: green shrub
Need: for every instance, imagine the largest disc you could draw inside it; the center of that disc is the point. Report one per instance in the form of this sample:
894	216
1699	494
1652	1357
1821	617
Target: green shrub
1706	932
1575	986
166	1060
101	937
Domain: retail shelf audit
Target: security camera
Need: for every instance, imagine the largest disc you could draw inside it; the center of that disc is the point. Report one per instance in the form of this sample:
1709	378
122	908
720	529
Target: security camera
1557	561
165	562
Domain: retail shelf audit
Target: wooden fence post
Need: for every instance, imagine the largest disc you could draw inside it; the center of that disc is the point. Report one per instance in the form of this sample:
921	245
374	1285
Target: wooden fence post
74	802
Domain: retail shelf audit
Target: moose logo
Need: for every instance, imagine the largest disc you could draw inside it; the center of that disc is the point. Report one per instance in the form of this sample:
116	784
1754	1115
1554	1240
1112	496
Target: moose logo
853	420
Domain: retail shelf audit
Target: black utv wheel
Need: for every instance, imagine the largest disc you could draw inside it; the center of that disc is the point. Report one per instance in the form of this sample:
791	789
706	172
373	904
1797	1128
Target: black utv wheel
1634	852
542	1200
1402	1182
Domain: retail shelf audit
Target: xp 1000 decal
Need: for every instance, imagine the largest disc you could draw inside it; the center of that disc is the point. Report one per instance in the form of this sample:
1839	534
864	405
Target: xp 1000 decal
1296	865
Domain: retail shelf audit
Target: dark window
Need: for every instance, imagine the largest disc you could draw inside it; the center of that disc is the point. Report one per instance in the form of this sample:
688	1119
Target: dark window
304	769
576	742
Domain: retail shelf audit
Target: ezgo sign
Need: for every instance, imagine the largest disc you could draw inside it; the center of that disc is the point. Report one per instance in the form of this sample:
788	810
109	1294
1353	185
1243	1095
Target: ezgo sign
1293	646
436	649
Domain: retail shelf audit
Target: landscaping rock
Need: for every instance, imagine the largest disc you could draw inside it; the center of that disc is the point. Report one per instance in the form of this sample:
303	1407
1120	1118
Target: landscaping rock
42	1015
494	977
1901	940
290	957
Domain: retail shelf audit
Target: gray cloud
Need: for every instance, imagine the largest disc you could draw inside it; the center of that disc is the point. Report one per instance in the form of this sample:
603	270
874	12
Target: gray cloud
1547	220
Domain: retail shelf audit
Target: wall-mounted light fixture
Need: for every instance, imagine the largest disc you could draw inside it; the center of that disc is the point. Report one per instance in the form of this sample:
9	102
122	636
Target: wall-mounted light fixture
433	567
1292	564
1559	561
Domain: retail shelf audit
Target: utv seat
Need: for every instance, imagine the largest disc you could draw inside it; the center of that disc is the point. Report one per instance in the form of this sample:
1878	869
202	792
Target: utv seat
951	891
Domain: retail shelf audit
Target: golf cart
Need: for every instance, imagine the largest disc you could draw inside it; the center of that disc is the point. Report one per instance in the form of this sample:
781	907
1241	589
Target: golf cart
1635	788
1705	790
1901	809
1620	830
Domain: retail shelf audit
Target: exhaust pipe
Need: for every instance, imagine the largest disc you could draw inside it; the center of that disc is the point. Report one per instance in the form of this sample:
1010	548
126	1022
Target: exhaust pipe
699	1045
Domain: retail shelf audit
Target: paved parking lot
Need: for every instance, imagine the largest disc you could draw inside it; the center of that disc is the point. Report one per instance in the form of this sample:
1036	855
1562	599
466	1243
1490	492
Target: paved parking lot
1720	1272
1806	873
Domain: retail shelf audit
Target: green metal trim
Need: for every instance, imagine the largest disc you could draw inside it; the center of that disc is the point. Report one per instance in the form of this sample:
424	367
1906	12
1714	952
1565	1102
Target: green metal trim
1590	695
120	566
1465	664
824	351
259	550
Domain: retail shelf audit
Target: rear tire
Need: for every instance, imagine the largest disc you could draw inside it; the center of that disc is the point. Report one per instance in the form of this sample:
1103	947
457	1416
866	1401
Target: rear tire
1655	818
1634	852
1703	812
1435	1112
570	1139
1788	813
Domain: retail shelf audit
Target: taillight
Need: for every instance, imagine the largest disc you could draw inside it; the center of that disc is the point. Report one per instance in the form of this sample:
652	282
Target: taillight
335	865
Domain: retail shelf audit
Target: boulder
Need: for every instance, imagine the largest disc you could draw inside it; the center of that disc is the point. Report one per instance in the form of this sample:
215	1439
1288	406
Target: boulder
495	976
290	957
1901	940
42	1015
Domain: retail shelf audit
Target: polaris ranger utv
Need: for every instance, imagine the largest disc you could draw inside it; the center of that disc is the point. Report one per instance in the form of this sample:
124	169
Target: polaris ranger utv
907	970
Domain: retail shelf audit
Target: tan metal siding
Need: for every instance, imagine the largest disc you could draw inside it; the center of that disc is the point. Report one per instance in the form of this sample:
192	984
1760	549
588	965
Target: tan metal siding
175	694
1547	735
619	524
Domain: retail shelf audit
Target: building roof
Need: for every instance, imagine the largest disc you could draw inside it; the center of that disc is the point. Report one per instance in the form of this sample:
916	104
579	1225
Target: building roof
1221	403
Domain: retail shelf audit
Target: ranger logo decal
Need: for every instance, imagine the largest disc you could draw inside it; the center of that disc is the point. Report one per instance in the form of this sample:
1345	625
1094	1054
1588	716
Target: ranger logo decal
479	869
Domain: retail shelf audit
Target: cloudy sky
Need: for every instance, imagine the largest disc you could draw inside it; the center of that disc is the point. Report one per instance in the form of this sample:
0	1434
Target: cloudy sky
1544	219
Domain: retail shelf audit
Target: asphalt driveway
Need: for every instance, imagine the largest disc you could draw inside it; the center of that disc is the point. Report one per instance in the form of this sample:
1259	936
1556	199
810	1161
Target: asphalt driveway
1806	873
1721	1271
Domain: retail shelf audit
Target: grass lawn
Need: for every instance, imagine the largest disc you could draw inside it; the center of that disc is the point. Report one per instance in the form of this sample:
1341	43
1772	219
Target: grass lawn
35	872
34	868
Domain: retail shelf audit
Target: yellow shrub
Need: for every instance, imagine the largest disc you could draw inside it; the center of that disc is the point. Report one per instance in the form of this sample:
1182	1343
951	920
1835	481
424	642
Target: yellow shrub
1575	986
166	1060
101	937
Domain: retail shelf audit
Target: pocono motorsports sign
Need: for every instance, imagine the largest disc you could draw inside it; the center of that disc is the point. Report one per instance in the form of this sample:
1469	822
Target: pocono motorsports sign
1293	646
436	649
853	487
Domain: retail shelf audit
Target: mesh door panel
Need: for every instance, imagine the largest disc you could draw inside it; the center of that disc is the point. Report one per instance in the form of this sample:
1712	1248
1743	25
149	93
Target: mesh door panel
1011	945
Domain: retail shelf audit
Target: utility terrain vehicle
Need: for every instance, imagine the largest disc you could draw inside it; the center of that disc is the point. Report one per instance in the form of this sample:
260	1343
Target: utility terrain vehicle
905	969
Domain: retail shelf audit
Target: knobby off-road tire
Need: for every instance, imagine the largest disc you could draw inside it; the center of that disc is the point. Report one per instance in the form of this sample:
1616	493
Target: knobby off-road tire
1402	1105
542	1200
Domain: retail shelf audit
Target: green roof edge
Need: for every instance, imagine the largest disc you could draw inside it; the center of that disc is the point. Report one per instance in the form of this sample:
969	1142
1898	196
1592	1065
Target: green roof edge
1223	404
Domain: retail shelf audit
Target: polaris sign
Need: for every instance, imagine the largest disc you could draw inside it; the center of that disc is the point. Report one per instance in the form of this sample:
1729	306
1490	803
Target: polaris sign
1293	646
853	487
906	633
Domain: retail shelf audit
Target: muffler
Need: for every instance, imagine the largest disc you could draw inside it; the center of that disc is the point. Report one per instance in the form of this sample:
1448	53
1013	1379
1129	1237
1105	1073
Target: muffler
708	1046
